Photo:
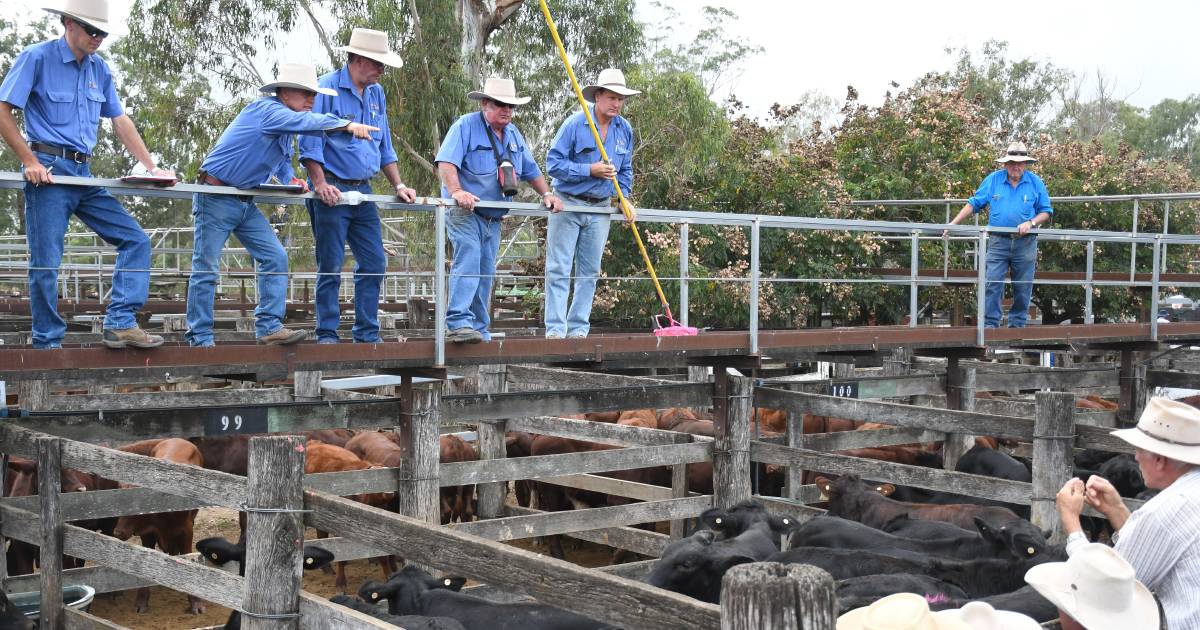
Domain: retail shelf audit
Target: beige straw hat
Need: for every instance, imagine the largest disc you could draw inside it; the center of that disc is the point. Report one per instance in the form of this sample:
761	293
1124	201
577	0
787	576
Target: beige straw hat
499	90
902	611
94	13
1017	152
297	75
1168	428
372	45
612	80
1098	588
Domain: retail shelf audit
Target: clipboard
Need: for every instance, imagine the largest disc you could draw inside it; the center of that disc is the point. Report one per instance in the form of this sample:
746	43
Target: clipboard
290	188
150	179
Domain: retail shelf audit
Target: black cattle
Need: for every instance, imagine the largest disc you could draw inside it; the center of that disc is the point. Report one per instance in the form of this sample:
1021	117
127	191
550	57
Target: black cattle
840	533
863	591
745	515
1092	459
412	591
978	578
1024	600
220	551
1124	474
921	529
988	462
11	618
695	565
408	622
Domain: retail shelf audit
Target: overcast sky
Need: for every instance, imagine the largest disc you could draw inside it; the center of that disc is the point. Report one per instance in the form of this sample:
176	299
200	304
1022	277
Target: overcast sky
1148	51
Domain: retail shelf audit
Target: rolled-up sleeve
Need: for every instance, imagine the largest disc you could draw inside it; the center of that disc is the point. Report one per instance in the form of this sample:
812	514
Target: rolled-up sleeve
1042	202
18	83
452	150
387	152
982	195
558	161
312	146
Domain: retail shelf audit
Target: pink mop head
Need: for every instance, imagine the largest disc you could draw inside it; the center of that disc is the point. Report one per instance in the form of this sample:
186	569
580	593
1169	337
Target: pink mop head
673	329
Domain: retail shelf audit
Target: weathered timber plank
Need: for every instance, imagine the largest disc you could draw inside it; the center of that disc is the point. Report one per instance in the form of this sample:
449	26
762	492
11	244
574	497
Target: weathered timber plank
345	484
604	597
900	415
517	527
1100	438
1024	409
628	538
574	463
794	509
274	540
929	478
1053	462
79	620
843	440
1170	378
1055	378
549	403
617	487
169	400
525	377
599	432
631	570
50	551
108	503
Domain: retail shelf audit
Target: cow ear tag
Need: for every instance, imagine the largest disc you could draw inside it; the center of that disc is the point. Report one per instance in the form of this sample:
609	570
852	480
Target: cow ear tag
214	555
1030	550
308	561
787	521
717	520
446	581
374	595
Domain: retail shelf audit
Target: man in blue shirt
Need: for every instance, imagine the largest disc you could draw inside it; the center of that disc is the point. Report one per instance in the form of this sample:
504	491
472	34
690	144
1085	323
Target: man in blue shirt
64	88
341	163
1015	198
582	178
469	164
257	144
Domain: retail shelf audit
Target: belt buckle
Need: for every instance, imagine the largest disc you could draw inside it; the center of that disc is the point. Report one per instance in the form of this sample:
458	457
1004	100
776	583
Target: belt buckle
75	156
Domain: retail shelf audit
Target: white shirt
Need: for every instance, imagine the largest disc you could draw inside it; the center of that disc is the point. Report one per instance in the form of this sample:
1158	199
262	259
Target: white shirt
1162	542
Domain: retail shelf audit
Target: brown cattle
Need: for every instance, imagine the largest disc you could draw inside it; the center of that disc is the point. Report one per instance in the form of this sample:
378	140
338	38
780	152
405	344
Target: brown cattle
645	418
170	531
868	504
377	448
21	480
324	458
607	417
520	444
555	498
336	437
457	502
227	453
1103	402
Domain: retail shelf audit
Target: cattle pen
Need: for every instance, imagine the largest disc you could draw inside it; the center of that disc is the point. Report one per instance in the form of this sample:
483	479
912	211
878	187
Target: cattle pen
923	381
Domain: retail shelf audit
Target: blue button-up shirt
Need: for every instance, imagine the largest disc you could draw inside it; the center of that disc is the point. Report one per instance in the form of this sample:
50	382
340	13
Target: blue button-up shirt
63	99
342	155
258	143
466	147
574	151
1011	206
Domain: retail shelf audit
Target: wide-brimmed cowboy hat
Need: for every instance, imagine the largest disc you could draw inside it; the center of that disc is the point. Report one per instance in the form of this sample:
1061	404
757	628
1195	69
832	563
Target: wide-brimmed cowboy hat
297	75
981	616
612	80
372	45
1098	588
499	90
1017	152
94	13
903	611
1168	428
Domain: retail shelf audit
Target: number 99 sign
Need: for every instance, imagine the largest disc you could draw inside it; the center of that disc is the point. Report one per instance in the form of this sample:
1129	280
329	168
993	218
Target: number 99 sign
229	421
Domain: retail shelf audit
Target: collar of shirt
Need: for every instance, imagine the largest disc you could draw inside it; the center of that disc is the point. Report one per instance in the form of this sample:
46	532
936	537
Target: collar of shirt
64	51
345	81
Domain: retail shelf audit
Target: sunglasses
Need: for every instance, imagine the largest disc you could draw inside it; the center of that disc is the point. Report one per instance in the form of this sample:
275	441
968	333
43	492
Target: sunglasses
92	31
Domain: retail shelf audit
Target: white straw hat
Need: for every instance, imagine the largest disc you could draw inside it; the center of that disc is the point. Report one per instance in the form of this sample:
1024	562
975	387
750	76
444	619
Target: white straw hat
1098	588
499	90
372	45
1017	152
297	75
94	13
902	611
612	80
981	616
1168	428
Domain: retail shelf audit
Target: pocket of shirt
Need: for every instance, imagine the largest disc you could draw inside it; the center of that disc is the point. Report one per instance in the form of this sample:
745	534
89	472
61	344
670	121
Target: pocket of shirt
60	108
480	161
95	102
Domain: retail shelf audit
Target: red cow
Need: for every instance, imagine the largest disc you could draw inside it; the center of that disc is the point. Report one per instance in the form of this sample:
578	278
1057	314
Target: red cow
520	444
171	531
645	418
457	502
324	458
21	480
336	437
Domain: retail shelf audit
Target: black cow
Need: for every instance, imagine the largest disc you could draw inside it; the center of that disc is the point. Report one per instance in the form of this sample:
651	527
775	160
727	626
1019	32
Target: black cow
695	565
11	618
840	533
1024	600
220	551
863	591
412	591
408	622
921	529
745	515
1124	474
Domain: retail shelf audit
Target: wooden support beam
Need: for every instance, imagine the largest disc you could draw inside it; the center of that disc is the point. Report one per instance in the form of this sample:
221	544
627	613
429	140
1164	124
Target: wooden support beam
773	595
492	380
1053	461
731	444
599	432
535	378
550	523
274	539
590	462
548	403
417	427
49	461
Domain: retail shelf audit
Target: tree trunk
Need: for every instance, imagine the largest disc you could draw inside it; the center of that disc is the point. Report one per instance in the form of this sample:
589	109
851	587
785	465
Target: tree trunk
479	19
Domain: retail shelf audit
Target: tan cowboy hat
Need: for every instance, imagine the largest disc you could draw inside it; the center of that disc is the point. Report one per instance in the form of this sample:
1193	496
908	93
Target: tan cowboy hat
1168	428
1017	152
499	90
1098	588
94	13
612	80
297	75
981	616
902	611
372	45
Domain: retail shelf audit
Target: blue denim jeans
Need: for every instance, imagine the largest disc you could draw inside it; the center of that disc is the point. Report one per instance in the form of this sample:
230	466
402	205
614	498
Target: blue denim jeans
1005	255
216	217
332	227
48	209
476	243
578	238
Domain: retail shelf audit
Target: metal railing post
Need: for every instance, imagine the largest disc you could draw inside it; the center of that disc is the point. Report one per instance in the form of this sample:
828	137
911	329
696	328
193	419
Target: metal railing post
754	272
1088	316
912	292
1166	230
439	286
1154	290
1133	246
981	274
946	249
683	273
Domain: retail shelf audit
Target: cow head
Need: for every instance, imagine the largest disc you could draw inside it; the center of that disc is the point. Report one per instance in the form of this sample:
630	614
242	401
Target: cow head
745	515
1019	537
695	565
404	588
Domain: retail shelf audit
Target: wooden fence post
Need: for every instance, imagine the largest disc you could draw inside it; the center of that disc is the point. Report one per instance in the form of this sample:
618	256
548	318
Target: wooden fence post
49	457
698	374
777	596
795	438
960	395
1053	457
731	443
274	539
492	380
307	385
420	415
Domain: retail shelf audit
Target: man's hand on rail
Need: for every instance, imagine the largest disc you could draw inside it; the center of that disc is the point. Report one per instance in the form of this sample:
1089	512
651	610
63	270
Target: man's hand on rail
328	193
296	181
158	171
37	174
464	199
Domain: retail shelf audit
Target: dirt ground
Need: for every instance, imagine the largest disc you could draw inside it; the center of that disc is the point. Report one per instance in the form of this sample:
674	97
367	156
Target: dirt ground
168	609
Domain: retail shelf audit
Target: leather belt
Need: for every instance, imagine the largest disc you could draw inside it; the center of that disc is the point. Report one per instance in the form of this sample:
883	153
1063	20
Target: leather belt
347	182
591	200
1012	236
70	154
209	180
